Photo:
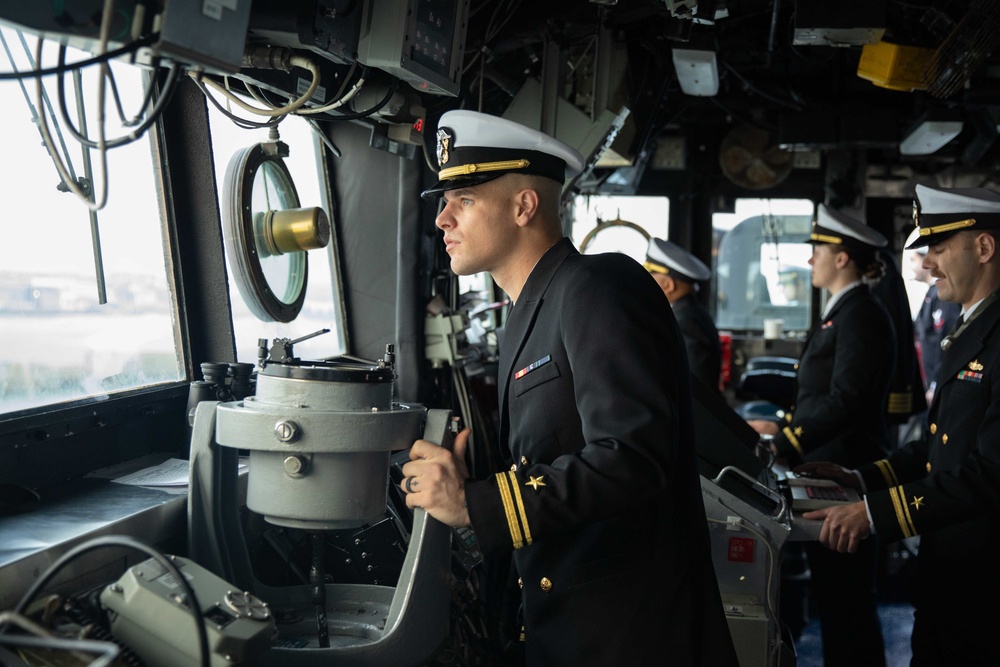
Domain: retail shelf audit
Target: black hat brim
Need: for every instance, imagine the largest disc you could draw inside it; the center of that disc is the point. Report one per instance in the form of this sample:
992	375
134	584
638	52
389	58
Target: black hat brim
441	187
931	239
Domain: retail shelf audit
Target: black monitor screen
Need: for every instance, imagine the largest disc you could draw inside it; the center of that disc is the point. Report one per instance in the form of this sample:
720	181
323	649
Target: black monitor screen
722	437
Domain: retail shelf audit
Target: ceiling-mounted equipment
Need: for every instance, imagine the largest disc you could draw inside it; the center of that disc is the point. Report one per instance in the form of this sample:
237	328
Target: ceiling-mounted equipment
930	134
205	35
592	137
894	66
328	28
845	23
973	39
697	11
751	158
697	71
420	41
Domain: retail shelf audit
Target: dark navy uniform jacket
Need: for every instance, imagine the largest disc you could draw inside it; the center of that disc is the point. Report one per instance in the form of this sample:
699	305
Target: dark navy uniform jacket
906	392
701	339
603	504
945	486
842	386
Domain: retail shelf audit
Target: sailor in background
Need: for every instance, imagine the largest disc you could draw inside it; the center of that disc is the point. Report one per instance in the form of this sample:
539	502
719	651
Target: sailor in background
678	273
945	485
843	382
906	393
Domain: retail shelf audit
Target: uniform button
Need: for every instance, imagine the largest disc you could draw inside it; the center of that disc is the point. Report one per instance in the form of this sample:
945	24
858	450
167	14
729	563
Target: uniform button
944	438
546	584
513	467
524	460
928	468
520	582
795	367
933	429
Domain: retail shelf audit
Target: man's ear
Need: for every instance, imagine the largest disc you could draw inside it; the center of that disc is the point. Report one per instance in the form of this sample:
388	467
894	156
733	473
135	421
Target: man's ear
986	246
525	206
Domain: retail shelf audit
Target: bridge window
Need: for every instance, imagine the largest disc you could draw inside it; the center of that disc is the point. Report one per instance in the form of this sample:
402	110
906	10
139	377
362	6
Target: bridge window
618	224
762	264
86	305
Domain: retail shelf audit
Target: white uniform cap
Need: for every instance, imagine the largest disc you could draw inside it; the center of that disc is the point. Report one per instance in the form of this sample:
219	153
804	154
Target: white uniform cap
911	239
838	228
938	213
474	148
669	258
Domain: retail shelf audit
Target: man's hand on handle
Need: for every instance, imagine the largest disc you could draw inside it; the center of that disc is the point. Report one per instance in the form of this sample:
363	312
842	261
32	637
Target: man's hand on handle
434	479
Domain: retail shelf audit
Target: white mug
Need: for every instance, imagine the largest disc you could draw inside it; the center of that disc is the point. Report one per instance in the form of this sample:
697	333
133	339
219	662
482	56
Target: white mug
772	328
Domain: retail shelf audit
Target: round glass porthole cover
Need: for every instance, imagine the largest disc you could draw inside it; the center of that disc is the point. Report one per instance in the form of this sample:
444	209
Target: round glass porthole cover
258	187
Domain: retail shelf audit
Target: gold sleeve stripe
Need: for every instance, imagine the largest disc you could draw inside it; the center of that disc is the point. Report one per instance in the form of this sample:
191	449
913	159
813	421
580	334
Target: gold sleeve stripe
898	497
896	505
906	510
792	439
520	507
508	508
887	472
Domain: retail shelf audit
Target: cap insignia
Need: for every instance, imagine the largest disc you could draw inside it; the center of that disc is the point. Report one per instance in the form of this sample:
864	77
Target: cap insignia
444	144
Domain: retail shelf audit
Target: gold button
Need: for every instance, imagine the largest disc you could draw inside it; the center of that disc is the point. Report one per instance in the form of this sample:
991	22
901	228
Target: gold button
520	582
795	367
928	467
933	429
546	584
513	467
524	460
944	439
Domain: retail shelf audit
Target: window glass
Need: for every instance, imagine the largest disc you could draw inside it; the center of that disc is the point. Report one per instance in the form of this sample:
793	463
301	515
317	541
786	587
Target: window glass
322	308
60	343
650	214
762	264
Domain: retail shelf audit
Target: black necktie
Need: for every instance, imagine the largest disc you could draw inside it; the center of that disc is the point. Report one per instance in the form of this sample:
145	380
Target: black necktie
950	338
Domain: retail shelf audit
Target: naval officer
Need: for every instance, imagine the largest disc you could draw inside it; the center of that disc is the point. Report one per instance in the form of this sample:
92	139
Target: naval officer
602	502
678	273
945	485
843	382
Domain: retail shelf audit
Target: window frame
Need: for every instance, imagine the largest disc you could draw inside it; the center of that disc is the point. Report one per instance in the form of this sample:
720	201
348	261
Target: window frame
47	446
